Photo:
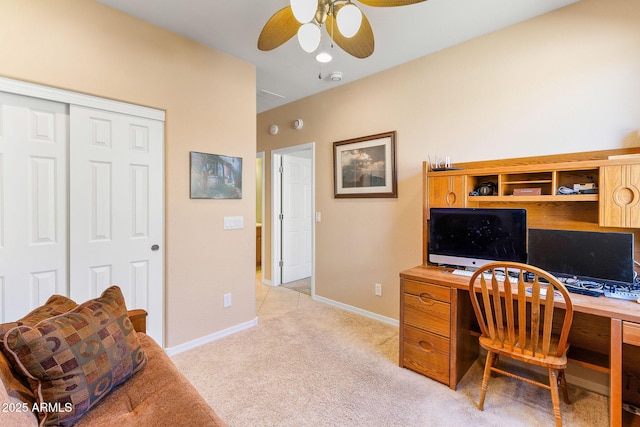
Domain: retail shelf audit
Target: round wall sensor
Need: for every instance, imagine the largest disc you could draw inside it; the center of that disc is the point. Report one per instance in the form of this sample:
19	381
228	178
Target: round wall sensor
297	124
273	129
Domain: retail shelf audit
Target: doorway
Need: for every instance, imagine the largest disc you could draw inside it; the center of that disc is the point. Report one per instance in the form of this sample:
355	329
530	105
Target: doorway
292	214
259	213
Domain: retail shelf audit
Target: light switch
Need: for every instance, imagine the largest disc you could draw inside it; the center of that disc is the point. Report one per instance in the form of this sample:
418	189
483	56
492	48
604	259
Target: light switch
318	217
233	222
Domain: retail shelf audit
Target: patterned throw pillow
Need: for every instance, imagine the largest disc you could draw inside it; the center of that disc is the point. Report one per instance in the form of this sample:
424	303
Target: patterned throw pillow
75	359
55	305
16	384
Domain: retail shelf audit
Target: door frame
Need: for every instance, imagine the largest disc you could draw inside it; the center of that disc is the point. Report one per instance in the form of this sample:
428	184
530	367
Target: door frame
276	199
68	97
261	155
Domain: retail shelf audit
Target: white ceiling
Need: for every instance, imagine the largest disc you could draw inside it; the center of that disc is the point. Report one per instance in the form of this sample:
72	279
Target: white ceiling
288	73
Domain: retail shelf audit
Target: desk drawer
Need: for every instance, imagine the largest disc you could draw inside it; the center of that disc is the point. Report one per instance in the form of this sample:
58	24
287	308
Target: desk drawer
427	290
428	314
426	353
631	333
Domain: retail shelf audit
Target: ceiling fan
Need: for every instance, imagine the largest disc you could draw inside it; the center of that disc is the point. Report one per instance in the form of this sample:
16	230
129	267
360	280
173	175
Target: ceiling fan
343	20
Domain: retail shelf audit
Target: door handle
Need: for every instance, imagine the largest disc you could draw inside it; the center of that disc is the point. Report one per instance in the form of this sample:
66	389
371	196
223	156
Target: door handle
155	247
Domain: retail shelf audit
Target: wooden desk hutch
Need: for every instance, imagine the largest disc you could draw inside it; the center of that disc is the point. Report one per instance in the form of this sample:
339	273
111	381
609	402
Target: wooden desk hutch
437	334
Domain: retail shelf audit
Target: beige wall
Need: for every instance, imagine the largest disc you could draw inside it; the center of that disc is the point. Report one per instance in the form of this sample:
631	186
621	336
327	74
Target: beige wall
563	82
209	99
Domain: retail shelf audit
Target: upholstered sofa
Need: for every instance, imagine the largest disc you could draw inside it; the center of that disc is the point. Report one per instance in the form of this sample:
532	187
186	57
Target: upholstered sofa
154	394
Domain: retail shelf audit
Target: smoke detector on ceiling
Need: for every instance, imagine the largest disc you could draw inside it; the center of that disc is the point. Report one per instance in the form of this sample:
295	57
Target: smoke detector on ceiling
336	76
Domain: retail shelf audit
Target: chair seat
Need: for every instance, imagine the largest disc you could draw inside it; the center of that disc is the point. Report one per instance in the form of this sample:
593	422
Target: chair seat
551	361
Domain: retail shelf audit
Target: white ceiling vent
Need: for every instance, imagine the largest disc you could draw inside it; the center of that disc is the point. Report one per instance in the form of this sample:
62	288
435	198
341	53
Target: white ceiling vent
267	99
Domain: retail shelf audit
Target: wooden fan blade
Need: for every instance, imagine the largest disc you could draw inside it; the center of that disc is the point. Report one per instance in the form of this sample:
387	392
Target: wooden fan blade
389	3
278	29
361	45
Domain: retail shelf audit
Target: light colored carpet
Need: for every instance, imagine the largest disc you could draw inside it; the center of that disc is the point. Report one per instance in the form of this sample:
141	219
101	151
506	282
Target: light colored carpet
302	285
322	366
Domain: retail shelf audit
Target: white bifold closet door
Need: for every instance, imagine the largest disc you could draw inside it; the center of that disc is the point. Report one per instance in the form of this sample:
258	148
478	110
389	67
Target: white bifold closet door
81	206
33	203
116	209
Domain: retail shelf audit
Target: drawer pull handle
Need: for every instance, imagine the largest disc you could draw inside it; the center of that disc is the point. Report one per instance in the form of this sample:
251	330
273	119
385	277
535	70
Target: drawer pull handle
426	346
427	298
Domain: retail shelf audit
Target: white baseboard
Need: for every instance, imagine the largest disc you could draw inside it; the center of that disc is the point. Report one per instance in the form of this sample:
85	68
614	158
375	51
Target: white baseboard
384	319
172	351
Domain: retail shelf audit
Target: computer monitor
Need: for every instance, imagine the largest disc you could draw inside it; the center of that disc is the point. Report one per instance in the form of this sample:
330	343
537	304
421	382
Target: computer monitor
471	237
605	257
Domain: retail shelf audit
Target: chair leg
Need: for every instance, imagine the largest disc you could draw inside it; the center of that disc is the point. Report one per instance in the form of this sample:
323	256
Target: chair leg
494	364
555	398
491	359
562	381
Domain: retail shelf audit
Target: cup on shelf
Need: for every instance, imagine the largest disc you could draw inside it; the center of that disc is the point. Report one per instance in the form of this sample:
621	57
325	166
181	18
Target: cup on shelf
439	162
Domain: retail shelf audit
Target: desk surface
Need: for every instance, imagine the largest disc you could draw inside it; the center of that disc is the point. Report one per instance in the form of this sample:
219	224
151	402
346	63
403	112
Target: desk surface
599	306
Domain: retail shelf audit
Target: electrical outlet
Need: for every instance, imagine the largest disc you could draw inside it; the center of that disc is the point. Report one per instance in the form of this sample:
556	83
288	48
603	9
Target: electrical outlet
378	289
227	300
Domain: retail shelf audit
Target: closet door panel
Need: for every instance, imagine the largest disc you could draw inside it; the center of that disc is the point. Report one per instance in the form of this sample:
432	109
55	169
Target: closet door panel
116	189
100	209
33	203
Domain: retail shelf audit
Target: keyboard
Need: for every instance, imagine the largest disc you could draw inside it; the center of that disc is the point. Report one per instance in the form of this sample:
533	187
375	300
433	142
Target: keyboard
543	292
583	287
487	276
584	291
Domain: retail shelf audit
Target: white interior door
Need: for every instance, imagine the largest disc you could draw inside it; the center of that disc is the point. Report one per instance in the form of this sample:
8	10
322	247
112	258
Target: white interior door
33	204
116	193
297	217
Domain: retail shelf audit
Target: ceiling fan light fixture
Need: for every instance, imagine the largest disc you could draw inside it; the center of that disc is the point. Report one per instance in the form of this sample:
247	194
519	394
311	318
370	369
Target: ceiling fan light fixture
349	19
323	57
304	10
309	37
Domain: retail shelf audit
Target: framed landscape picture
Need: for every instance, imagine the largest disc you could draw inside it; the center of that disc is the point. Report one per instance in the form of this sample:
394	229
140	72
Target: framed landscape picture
214	176
365	167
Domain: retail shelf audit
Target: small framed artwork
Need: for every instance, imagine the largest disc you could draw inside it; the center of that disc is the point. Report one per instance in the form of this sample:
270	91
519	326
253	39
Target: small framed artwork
215	177
365	167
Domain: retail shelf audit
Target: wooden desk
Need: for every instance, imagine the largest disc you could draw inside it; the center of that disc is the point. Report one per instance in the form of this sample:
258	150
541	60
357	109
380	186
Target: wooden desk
600	327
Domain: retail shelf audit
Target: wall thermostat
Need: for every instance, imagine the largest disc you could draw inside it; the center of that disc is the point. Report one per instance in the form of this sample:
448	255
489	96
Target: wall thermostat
297	124
273	129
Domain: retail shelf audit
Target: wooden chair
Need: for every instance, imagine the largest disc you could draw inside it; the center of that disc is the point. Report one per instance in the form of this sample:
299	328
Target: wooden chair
520	327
